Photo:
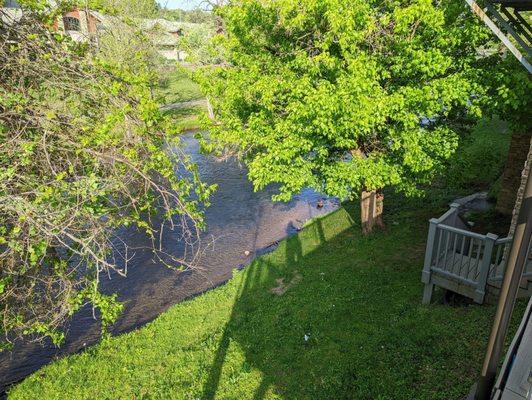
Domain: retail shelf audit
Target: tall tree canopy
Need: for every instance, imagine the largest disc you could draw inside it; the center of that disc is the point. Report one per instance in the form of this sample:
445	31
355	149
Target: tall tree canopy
84	149
346	96
125	8
196	16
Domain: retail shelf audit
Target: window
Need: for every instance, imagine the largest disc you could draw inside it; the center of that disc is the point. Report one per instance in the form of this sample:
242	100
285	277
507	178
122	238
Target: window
71	24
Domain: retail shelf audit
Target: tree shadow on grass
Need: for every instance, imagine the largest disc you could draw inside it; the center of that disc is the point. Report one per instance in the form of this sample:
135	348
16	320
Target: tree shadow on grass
253	275
333	315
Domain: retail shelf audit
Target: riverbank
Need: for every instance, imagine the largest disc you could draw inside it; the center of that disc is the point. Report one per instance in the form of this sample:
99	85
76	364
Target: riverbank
240	224
328	314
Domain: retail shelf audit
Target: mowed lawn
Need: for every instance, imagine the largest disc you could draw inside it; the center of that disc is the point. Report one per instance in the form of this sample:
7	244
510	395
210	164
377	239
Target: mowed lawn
187	119
328	315
176	86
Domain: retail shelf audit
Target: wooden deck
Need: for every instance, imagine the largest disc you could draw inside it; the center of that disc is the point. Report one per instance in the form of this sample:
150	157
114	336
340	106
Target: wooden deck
465	262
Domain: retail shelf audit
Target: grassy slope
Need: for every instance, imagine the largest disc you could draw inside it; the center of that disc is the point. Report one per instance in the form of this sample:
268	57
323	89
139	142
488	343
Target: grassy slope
357	298
177	87
187	118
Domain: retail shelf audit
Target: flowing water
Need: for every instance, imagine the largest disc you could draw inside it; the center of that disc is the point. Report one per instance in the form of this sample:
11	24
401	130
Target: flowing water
239	220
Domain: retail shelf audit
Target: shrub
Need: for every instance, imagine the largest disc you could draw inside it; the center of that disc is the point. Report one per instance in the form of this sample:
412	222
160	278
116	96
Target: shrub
480	158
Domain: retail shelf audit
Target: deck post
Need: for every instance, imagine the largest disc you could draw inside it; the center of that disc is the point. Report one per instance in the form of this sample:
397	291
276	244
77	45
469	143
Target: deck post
489	244
427	293
454	207
425	276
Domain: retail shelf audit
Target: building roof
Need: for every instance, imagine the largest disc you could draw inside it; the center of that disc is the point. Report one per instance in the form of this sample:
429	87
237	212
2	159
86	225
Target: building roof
164	39
159	23
162	31
106	21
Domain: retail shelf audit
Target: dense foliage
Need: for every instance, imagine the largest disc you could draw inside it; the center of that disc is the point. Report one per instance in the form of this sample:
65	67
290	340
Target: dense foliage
347	96
195	16
480	161
124	42
83	150
126	8
202	45
509	92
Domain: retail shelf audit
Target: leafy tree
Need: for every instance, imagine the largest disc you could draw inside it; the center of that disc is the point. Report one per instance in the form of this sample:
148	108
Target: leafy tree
84	150
200	42
510	96
347	97
196	16
199	16
125	42
126	8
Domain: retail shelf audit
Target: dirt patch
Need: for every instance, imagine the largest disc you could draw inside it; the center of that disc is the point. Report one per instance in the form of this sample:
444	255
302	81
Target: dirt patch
283	287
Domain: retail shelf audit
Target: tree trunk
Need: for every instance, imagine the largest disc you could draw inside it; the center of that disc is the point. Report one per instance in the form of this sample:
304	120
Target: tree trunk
371	209
511	177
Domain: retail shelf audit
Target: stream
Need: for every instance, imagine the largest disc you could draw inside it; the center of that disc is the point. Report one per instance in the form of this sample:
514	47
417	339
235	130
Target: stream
242	223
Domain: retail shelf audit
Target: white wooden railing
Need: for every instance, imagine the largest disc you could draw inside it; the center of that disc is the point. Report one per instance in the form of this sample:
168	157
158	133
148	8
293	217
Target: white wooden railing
463	261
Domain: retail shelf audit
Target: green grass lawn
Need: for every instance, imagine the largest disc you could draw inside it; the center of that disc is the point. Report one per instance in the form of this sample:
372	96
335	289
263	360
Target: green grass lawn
358	300
187	118
175	86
